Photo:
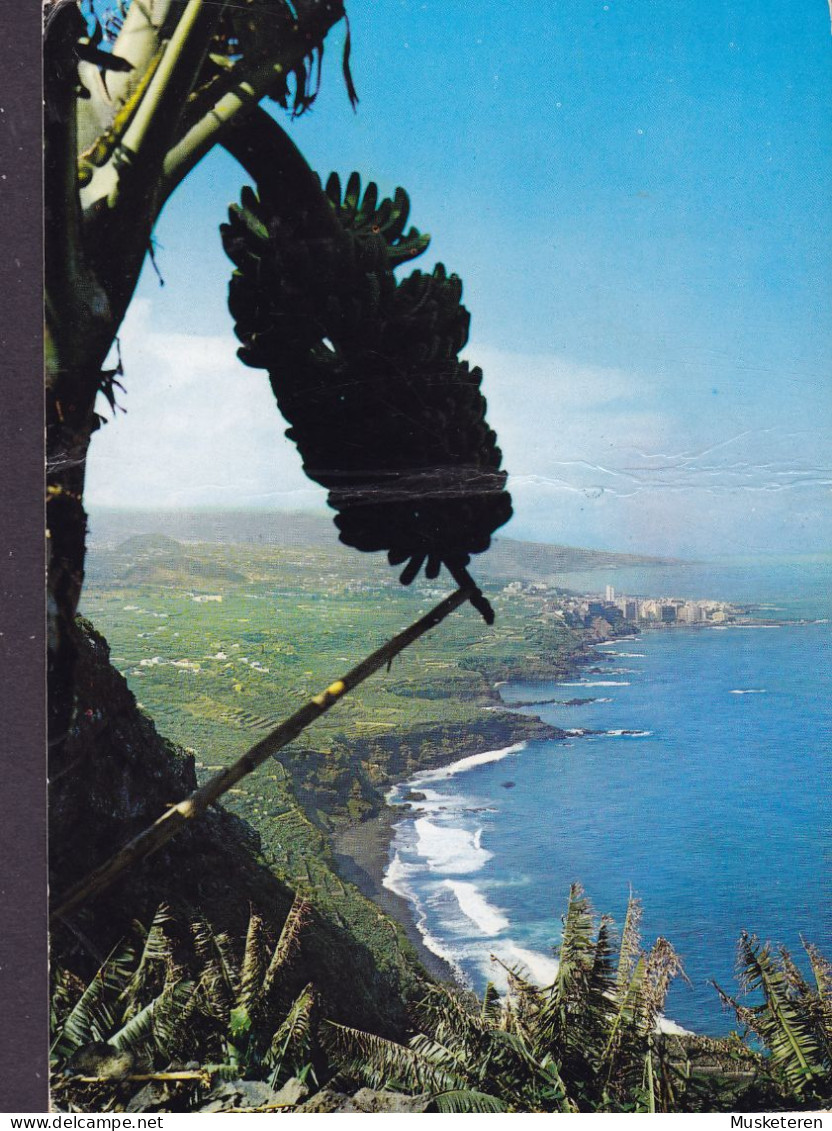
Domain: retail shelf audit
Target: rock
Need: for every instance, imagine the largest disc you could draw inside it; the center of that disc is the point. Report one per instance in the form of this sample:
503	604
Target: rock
508	784
100	1059
415	795
149	1098
370	1101
325	1101
292	1092
232	1095
366	1100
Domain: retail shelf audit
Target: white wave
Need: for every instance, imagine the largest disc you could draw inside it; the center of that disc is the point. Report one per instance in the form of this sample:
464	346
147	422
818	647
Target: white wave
476	907
748	691
449	849
446	953
756	626
631	655
665	1025
629	733
466	764
541	968
598	683
432	802
397	876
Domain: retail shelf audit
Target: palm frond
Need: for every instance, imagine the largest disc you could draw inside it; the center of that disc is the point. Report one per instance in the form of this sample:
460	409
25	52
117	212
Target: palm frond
136	1034
630	949
287	945
384	1063
783	1028
292	1039
156	949
220	976
174	1028
468	1100
491	1009
255	958
67	988
576	953
92	1016
663	964
822	997
444	1014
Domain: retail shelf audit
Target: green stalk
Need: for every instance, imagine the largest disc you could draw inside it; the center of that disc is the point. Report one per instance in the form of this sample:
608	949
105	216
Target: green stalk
133	170
177	817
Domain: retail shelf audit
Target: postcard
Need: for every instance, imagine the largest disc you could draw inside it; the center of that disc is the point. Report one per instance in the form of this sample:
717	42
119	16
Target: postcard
439	546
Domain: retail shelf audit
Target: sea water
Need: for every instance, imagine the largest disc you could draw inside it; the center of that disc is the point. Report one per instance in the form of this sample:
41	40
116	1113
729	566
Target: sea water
698	777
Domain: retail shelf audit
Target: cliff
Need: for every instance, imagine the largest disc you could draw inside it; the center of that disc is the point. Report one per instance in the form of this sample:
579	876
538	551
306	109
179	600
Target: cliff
117	775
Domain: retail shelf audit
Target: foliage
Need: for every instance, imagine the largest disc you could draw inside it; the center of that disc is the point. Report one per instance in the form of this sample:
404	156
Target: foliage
588	1042
134	99
793	1021
593	1040
180	993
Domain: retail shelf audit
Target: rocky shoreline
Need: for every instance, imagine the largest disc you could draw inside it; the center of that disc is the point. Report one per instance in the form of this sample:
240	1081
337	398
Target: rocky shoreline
362	848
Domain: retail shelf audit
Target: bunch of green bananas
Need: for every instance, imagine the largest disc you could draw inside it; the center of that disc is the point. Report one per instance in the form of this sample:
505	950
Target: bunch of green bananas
365	369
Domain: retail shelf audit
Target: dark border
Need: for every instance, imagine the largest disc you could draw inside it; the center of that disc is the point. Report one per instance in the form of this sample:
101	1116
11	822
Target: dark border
23	894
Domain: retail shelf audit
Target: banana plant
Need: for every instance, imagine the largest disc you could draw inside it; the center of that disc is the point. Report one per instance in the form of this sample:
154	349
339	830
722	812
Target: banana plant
793	1021
588	1042
140	1004
180	993
134	99
262	1034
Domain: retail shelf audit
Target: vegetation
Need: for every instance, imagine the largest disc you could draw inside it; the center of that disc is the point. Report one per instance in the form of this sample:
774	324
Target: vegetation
793	1022
594	1040
184	1009
135	95
218	674
180	996
133	103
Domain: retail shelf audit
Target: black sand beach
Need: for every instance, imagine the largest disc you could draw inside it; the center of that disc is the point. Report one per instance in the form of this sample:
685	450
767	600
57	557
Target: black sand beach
362	853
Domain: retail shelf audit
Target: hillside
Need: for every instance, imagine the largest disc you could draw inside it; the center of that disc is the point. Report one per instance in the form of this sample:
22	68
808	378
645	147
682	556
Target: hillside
219	642
158	536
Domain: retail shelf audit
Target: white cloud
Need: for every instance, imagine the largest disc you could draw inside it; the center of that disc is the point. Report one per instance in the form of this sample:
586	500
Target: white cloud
596	456
201	429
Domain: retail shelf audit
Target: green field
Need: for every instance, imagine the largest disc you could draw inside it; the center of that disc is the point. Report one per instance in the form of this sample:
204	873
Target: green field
219	643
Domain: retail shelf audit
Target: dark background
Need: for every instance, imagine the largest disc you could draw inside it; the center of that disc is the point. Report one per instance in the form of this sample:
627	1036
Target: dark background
23	938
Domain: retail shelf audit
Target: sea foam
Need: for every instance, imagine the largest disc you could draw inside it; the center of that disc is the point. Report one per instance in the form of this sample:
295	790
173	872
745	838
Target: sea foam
397	876
451	850
474	905
464	764
598	683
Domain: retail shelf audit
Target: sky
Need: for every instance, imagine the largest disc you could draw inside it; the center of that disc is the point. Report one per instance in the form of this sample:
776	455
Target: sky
638	199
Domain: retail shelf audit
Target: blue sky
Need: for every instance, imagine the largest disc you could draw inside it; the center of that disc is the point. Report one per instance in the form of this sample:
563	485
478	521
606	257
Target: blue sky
638	198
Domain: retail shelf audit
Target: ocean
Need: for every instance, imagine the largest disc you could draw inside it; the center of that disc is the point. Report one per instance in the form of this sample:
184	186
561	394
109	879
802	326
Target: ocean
703	787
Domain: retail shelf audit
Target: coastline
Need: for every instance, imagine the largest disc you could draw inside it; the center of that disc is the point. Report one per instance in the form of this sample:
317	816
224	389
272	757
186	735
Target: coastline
362	849
362	854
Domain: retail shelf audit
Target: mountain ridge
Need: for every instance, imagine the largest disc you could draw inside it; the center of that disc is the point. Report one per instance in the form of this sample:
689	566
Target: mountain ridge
507	559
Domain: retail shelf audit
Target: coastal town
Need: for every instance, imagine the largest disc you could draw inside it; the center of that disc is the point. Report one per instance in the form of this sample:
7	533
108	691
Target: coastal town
620	611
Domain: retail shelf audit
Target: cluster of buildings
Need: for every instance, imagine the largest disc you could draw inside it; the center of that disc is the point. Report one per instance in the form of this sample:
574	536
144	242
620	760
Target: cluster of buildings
580	611
643	611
